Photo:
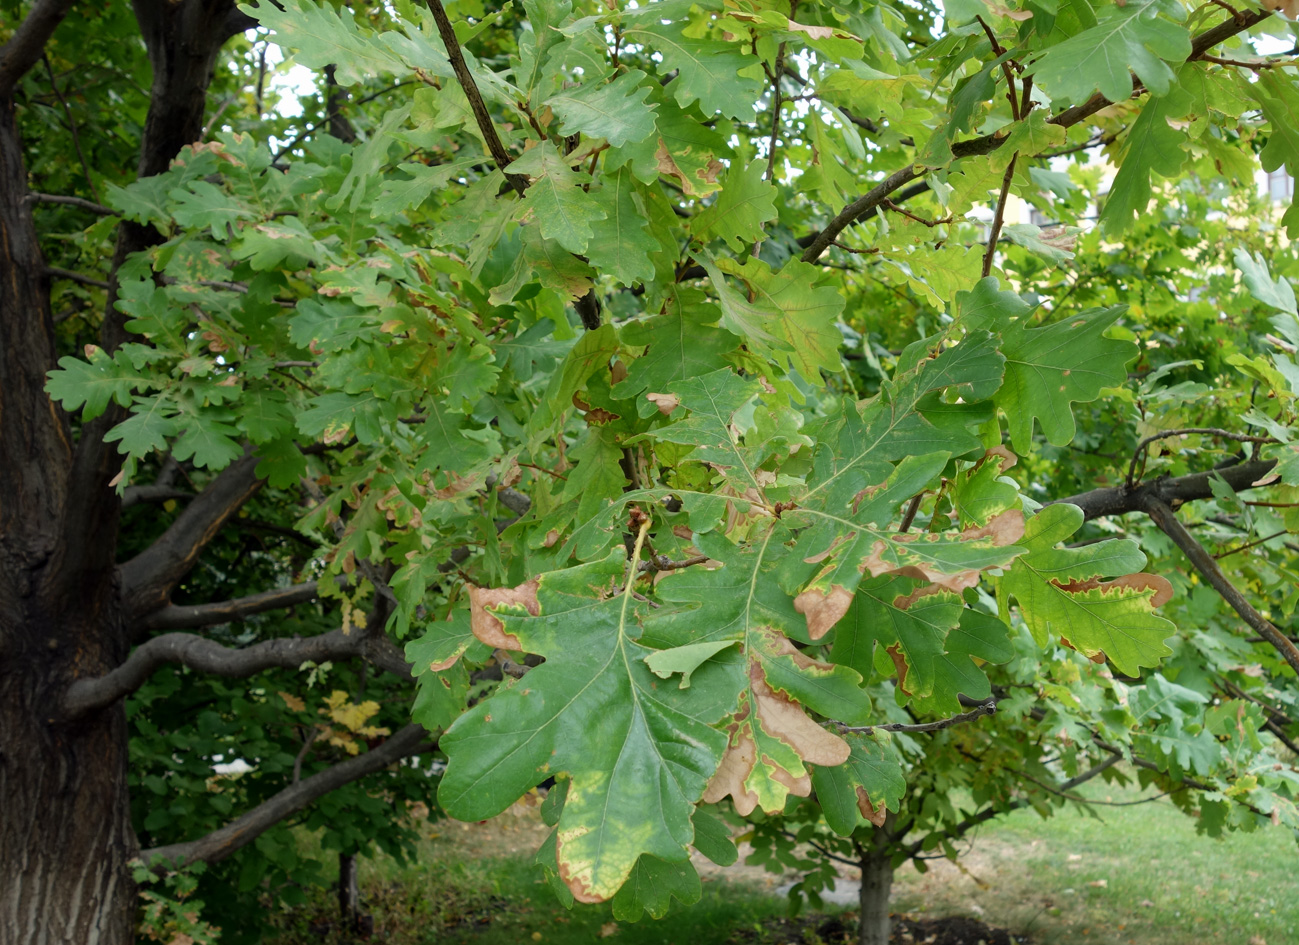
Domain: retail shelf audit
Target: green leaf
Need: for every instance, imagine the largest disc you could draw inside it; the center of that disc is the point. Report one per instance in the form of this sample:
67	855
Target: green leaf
1128	37
737	214
1152	146
860	790
639	754
713	838
790	314
324	37
684	659
681	343
653	885
712	401
208	441
1061	591
621	242
708	71
94	383
615	111
1049	368
560	208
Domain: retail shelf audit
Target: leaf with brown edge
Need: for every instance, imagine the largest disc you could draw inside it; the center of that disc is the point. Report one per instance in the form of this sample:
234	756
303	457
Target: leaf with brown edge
954	561
638	752
1096	596
486	625
863	789
924	634
772	738
444	643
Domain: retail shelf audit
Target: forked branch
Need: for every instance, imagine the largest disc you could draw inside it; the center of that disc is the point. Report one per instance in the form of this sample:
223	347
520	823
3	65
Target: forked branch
1203	562
207	656
149	577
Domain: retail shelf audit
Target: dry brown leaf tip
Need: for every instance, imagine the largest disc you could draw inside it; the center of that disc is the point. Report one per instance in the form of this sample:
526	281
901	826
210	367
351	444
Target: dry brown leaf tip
868	810
823	609
783	718
666	403
486	626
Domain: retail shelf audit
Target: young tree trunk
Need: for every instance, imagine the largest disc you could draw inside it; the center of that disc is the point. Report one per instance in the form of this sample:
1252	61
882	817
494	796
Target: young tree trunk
876	884
349	890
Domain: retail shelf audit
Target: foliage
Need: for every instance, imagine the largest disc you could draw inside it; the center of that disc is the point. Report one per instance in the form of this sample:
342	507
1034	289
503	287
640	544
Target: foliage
786	473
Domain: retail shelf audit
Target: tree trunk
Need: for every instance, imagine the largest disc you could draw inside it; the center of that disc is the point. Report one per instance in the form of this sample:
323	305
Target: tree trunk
65	836
65	833
876	883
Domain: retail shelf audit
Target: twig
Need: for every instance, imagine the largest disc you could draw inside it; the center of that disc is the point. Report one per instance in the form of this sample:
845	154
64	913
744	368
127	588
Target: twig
72	202
664	563
476	104
294	141
72	127
999	216
986	144
890	205
1255	65
1249	544
71	276
1140	452
999	50
988	708
909	515
302	754
207	129
1163	517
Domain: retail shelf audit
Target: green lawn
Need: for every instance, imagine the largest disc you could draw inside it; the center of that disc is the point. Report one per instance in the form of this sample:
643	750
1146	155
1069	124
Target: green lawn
1134	874
1138	874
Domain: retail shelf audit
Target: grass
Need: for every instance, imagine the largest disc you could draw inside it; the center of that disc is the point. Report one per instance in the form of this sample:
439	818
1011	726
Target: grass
1134	875
1138	875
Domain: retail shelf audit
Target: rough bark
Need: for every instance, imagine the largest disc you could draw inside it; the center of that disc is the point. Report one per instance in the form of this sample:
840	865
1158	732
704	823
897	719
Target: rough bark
65	836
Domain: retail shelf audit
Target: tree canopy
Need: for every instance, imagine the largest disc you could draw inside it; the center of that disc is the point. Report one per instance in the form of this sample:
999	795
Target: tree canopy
776	410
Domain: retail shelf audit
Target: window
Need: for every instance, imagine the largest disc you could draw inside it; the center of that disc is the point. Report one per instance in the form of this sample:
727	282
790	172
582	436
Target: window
1280	185
1041	218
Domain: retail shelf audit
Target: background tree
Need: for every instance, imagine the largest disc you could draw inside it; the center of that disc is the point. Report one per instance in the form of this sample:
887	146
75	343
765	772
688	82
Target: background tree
657	344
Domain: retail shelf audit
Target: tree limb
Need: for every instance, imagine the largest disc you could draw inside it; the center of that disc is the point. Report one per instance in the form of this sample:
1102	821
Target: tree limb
177	617
27	43
207	656
1120	500
240	832
1163	516
149	578
986	144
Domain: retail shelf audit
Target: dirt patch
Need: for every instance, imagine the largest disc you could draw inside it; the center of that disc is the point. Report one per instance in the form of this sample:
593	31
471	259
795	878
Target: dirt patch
820	930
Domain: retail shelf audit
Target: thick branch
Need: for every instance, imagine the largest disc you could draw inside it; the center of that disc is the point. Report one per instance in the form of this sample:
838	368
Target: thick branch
149	577
1163	516
177	617
27	44
206	656
1120	500
239	833
986	144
